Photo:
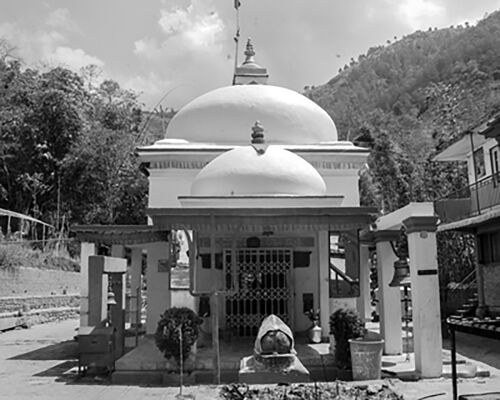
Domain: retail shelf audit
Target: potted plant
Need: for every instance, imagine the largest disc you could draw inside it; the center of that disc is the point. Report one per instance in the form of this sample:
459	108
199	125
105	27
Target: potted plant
345	324
355	348
176	335
315	330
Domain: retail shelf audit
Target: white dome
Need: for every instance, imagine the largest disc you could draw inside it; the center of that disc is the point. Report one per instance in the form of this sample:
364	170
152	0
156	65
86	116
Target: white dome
244	172
220	116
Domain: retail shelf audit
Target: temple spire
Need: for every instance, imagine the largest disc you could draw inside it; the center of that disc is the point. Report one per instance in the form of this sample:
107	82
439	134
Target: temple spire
249	72
249	53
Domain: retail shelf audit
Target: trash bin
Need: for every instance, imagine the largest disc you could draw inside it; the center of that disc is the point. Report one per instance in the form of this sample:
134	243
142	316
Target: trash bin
366	358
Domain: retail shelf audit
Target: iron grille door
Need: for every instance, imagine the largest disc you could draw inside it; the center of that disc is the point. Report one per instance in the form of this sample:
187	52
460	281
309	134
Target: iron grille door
260	282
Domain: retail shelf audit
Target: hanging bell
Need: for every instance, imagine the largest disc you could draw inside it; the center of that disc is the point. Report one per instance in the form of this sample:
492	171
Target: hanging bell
401	273
111	298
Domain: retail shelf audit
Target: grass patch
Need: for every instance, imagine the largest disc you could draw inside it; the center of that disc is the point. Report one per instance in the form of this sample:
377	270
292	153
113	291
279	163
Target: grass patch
14	256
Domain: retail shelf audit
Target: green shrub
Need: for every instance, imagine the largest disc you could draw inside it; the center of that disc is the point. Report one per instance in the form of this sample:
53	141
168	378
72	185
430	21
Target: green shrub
167	334
345	324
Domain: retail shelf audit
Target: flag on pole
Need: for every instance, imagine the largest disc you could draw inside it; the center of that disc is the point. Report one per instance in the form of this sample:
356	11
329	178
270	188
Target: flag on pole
237	4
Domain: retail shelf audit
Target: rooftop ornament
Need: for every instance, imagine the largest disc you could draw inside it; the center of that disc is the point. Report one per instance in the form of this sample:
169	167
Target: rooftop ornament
258	142
249	53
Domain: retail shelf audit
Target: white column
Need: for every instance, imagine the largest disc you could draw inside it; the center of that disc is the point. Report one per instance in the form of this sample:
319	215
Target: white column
425	295
87	249
118	250
158	284
389	297
324	281
363	303
135	285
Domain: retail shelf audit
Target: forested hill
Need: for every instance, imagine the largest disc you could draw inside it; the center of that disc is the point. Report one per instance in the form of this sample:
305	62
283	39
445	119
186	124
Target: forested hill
415	95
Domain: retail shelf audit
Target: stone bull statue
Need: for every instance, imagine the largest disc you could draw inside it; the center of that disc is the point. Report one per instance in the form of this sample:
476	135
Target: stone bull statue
274	357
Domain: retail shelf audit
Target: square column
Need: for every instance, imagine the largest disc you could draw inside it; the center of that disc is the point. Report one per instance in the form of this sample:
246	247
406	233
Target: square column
324	281
158	283
135	286
87	249
363	302
424	276
389	297
118	251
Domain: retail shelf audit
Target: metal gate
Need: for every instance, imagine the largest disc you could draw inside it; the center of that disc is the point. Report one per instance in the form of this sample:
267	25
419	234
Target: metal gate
259	280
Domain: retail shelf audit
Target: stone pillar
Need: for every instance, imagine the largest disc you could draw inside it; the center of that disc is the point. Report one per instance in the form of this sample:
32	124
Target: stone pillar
158	283
389	297
324	281
427	340
363	302
87	249
135	286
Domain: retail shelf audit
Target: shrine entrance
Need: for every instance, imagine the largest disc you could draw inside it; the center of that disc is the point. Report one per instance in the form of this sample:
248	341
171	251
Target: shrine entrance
260	282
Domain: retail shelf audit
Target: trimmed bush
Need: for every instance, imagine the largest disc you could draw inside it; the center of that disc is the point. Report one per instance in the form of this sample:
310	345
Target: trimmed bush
167	334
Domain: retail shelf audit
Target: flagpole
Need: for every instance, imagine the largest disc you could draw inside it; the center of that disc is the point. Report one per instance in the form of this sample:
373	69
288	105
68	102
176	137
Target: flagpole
236	38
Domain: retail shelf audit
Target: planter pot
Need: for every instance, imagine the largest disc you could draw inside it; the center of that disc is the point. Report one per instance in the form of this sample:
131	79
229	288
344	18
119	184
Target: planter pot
366	358
315	334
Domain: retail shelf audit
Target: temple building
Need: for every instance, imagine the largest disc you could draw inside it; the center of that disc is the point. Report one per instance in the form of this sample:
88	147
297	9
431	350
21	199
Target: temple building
267	199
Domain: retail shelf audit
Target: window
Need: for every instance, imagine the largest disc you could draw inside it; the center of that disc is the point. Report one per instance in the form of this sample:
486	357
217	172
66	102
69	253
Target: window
479	163
344	264
494	164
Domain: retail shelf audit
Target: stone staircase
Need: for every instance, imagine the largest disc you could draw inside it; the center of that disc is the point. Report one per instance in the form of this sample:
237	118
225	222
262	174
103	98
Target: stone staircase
468	309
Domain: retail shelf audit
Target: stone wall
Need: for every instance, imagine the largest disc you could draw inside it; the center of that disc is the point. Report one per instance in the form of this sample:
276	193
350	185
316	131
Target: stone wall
37	282
26	303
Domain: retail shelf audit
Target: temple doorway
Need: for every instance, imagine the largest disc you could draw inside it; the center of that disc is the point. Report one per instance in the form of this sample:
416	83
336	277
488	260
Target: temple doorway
261	281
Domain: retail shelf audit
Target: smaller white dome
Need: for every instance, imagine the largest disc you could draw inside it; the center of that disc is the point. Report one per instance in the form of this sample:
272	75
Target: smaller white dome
246	171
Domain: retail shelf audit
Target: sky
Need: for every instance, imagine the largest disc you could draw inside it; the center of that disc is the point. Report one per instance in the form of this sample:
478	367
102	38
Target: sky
171	51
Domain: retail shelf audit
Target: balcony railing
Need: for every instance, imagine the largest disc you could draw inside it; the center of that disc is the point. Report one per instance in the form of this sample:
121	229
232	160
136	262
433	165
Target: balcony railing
472	201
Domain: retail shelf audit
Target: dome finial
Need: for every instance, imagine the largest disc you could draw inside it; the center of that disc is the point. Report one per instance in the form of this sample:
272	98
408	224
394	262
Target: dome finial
249	52
257	133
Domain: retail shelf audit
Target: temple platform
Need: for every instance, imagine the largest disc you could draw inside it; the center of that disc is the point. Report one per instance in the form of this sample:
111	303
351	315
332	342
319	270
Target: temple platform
145	365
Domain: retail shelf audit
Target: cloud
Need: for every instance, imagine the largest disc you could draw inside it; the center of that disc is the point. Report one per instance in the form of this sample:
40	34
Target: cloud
47	41
188	50
73	59
421	13
60	18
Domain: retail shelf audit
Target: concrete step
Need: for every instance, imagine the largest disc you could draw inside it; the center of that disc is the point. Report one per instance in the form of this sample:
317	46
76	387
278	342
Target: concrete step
465	370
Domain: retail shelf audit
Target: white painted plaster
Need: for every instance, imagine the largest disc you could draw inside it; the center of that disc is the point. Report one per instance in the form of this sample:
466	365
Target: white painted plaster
390	300
425	305
324	281
87	249
244	171
226	114
135	284
393	220
363	301
158	285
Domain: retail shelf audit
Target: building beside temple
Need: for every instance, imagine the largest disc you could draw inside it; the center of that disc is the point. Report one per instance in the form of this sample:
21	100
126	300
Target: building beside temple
476	209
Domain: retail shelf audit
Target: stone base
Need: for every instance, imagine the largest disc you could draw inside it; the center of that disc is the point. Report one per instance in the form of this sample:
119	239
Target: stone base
295	373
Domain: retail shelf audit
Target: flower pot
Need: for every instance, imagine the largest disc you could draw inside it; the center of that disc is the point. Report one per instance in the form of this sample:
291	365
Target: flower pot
366	358
315	333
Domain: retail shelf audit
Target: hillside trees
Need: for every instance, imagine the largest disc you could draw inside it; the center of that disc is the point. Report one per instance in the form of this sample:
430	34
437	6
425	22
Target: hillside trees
67	147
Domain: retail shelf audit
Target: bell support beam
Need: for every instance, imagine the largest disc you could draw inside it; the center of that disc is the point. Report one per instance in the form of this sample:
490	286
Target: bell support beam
389	297
421	231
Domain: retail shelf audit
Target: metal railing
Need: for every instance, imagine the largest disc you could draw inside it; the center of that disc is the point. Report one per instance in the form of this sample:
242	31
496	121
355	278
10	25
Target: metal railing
470	201
338	284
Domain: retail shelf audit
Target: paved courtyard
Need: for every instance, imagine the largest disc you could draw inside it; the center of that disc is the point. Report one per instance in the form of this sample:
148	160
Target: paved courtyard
40	363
